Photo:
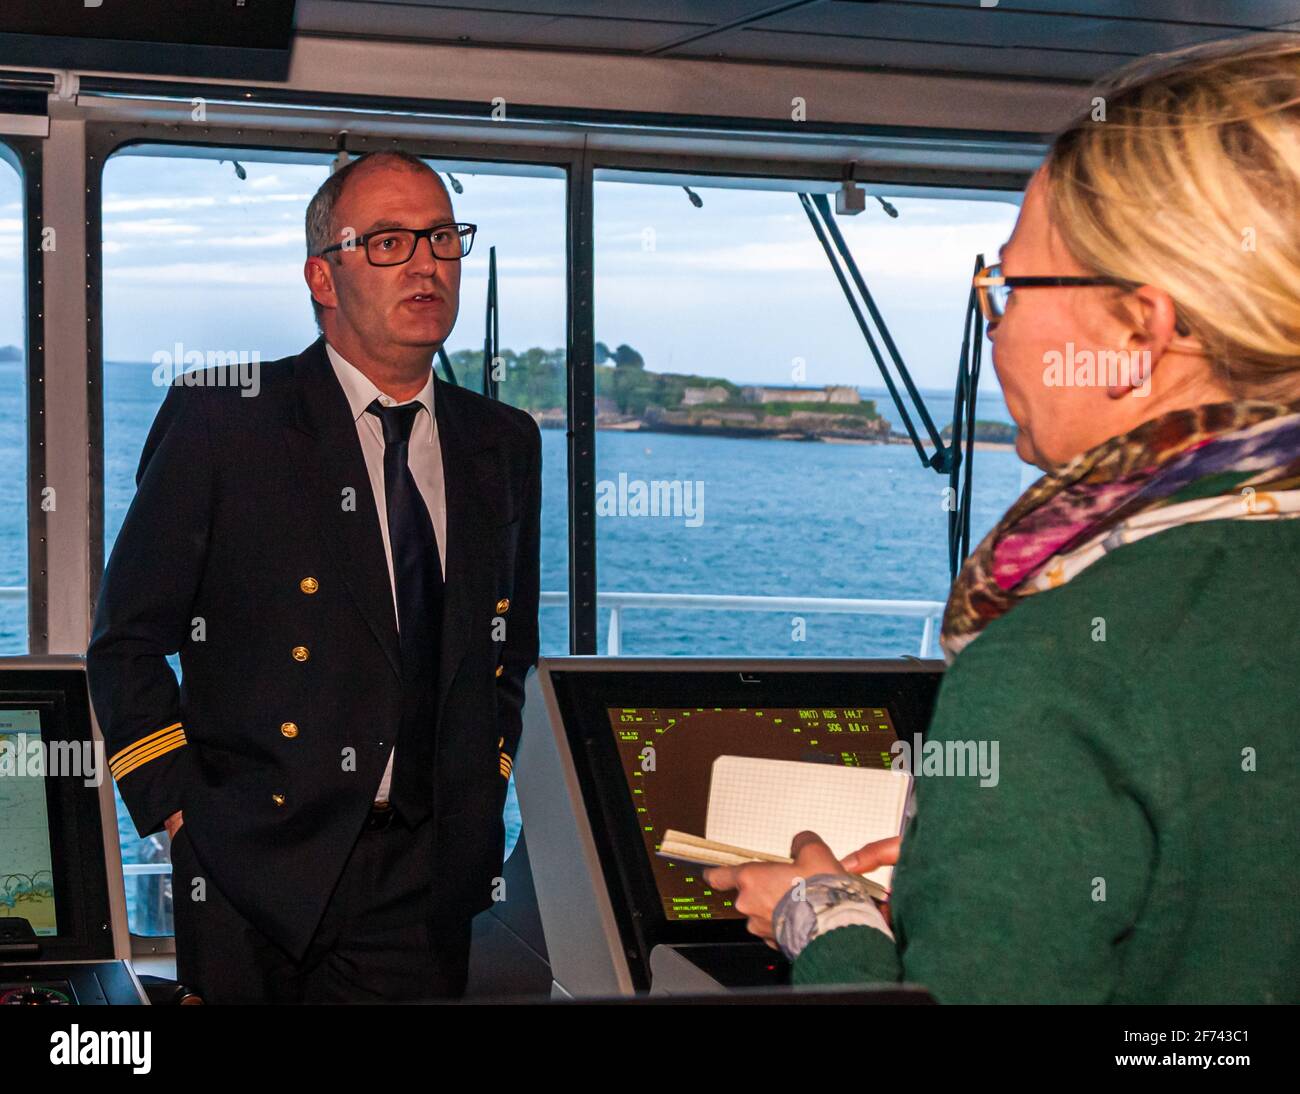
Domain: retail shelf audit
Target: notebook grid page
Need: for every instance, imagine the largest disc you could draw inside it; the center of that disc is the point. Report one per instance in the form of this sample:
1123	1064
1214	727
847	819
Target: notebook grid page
762	804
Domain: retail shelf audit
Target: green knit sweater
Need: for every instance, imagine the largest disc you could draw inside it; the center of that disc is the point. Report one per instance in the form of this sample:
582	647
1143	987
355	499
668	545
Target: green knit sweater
1142	843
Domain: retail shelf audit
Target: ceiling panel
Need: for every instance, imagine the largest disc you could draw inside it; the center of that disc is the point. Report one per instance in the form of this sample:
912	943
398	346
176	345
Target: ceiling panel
699	13
1260	14
634	36
813	49
976	26
493	28
680	11
1046	39
411	21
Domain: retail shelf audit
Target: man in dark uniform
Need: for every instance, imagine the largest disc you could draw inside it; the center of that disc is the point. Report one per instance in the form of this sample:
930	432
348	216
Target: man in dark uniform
345	556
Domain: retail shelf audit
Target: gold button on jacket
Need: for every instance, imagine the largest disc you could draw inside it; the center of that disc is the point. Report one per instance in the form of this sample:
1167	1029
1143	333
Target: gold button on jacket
500	669
309	585
289	729
278	799
300	653
503	606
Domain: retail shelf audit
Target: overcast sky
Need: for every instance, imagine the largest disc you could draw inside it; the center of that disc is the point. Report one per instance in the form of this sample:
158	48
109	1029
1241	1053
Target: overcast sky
737	288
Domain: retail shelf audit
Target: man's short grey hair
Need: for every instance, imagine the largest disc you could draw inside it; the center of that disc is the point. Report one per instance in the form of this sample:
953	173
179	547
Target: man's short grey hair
320	210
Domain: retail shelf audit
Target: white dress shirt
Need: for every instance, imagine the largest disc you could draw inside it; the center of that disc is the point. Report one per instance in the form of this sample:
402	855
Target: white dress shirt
423	456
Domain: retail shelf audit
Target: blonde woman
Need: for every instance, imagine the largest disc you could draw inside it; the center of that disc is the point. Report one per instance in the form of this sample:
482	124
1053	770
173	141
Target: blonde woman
1128	632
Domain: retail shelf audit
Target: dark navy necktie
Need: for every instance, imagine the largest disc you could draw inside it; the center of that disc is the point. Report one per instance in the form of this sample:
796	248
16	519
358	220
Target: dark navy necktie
417	577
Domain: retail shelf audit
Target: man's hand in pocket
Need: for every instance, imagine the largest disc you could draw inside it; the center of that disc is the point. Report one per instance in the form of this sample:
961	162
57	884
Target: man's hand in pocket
173	823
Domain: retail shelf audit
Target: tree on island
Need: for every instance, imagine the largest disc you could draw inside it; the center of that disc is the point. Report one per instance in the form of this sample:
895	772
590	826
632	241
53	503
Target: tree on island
626	357
985	430
634	388
536	379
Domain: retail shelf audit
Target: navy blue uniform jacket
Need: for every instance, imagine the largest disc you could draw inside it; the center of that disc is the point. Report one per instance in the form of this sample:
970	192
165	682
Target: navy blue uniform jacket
242	551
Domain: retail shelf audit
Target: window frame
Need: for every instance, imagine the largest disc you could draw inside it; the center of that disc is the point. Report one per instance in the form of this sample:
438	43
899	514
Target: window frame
101	145
24	155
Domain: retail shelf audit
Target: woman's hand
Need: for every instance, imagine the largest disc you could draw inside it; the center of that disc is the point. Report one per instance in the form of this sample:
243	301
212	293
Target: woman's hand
761	885
883	852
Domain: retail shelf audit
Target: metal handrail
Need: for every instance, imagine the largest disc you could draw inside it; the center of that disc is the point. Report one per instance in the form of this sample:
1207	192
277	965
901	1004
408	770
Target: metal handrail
929	610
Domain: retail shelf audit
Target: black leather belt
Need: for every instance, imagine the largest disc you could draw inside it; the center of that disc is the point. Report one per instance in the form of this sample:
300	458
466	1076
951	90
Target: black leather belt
381	817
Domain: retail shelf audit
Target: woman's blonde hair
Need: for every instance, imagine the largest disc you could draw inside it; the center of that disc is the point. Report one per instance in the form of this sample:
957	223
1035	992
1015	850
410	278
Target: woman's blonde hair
1185	174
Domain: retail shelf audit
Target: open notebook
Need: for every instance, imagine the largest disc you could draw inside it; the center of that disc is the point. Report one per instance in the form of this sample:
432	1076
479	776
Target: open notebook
756	807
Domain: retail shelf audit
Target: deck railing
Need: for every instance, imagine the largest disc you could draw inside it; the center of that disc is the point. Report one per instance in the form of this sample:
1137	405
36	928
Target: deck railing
930	611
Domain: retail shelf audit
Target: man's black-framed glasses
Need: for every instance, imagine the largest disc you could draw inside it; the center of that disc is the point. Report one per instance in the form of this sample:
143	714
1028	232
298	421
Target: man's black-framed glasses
394	246
994	289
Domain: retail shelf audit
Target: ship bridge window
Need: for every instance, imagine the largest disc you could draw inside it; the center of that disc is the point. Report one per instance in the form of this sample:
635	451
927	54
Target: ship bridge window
754	494
202	262
13	411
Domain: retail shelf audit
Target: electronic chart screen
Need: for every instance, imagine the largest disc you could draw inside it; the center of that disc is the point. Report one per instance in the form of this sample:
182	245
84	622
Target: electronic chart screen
26	851
53	869
667	754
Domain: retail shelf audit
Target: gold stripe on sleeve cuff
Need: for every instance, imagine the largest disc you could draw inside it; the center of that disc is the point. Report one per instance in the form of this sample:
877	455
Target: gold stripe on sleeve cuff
147	748
143	743
161	748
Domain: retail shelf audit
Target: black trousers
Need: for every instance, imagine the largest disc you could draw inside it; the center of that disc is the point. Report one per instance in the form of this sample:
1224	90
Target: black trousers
378	940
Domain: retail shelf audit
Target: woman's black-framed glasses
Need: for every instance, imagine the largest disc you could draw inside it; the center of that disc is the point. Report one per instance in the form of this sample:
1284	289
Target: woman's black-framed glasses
994	289
394	246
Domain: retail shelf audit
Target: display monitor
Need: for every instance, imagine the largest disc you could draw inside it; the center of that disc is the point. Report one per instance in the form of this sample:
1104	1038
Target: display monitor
685	715
27	862
52	866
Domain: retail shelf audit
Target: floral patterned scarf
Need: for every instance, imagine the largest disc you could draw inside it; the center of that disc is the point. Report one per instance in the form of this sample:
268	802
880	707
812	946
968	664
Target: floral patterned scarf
1222	461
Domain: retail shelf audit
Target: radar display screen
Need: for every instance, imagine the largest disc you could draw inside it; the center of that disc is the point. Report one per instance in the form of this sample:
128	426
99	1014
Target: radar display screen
667	754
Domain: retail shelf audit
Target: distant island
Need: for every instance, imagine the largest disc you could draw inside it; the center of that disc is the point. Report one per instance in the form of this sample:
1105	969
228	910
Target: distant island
988	432
630	397
10	353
